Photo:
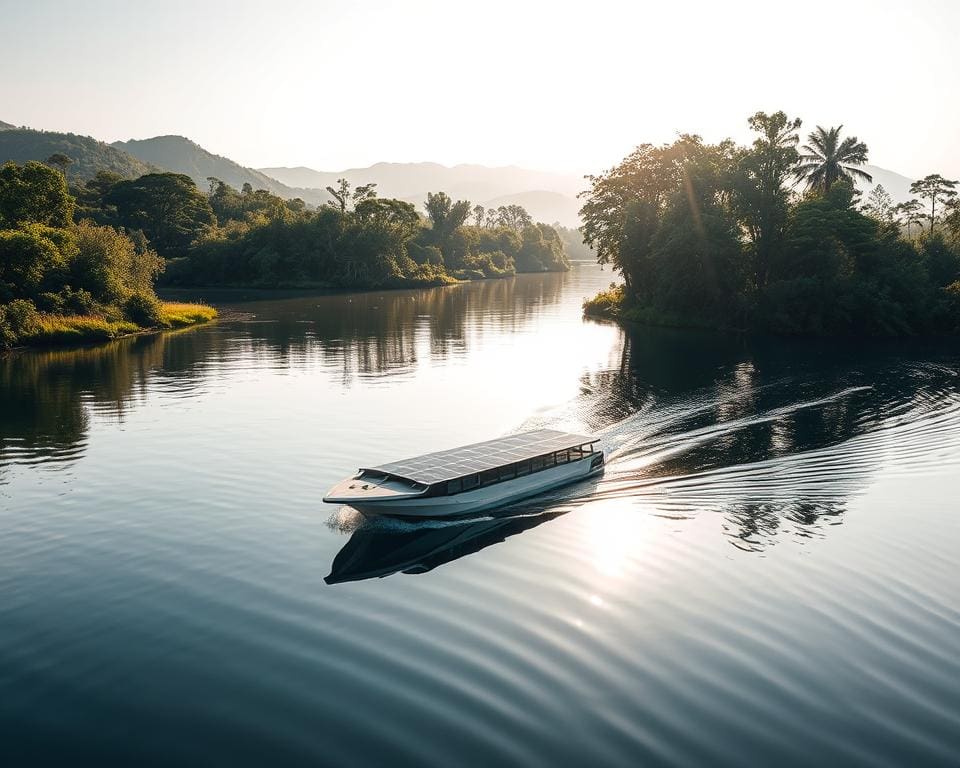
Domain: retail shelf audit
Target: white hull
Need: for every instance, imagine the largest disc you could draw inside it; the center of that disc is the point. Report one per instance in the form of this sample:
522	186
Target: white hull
489	497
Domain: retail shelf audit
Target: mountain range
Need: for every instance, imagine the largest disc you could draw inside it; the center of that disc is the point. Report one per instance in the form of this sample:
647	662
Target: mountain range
548	196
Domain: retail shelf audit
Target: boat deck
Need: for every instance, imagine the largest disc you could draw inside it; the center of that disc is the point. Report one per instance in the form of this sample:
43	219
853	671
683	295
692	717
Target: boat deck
441	466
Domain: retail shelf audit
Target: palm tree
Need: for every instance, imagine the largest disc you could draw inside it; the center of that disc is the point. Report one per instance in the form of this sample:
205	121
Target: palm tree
828	159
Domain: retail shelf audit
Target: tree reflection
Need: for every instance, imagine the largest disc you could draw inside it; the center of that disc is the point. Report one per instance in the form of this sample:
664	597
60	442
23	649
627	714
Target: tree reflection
47	396
764	433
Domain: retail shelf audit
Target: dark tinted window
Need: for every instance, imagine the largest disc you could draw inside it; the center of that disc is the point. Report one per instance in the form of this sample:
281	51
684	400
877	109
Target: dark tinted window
562	457
523	468
508	472
471	481
489	476
454	486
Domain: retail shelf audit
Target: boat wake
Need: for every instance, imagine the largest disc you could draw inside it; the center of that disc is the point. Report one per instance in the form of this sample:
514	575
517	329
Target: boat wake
785	458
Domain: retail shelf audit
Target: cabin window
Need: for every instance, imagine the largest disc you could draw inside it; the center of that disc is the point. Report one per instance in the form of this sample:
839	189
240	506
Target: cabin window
454	486
523	468
587	449
470	482
562	457
489	477
549	460
508	472
575	454
536	463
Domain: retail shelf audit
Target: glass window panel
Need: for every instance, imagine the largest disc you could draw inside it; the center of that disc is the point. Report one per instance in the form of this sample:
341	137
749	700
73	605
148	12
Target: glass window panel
488	477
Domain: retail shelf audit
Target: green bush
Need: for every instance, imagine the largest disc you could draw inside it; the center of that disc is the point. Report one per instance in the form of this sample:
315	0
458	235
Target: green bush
18	318
144	310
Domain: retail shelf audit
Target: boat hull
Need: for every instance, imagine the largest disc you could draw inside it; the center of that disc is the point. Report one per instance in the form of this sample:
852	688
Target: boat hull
489	497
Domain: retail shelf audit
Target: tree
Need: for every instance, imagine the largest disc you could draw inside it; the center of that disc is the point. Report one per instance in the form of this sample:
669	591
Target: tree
936	189
109	266
340	194
478	215
761	191
168	207
364	192
28	257
952	219
828	159
879	205
909	213
33	193
60	161
446	217
622	208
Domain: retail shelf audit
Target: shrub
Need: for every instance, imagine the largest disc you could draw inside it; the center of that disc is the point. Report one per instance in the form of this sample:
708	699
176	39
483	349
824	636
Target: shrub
144	310
18	319
608	303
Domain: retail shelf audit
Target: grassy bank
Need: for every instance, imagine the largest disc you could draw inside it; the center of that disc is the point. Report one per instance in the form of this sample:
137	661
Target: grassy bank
612	304
52	329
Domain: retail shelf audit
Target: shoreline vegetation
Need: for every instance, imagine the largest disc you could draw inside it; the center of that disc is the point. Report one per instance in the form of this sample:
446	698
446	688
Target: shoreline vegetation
69	282
70	330
773	238
81	263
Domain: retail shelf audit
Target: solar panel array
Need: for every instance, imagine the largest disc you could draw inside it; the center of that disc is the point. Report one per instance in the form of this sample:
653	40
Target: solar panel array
470	459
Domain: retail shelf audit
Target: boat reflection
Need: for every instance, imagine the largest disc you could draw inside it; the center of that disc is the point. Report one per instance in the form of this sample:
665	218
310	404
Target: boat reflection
376	552
382	546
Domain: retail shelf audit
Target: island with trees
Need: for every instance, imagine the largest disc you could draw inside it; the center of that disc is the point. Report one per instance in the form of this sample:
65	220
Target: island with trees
773	237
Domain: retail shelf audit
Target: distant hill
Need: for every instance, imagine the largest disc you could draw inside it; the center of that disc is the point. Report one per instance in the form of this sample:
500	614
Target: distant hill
6	126
897	186
548	196
89	155
545	206
179	154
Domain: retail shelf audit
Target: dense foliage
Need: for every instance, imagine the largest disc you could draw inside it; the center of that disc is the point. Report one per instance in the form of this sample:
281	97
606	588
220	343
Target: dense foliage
61	278
722	235
93	251
356	240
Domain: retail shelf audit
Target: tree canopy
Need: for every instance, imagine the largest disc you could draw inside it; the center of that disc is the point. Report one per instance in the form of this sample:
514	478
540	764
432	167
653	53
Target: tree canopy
718	235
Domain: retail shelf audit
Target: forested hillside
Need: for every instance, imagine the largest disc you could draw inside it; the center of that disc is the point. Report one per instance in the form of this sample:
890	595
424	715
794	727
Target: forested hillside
86	155
180	155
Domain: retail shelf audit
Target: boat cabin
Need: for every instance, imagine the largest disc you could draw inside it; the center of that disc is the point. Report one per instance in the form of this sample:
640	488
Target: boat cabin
459	470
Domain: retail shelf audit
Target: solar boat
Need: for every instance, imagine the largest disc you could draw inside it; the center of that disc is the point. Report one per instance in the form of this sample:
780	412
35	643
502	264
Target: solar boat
471	478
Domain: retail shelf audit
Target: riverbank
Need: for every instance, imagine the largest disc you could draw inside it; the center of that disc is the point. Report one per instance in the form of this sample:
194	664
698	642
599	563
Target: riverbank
75	330
943	321
611	304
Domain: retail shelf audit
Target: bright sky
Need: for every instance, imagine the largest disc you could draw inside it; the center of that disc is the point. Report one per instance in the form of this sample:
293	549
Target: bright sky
551	85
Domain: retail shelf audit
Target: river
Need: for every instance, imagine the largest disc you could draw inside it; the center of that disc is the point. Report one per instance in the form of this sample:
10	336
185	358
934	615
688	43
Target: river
767	572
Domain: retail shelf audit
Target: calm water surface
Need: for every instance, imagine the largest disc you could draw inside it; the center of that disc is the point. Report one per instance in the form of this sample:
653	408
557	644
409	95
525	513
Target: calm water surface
767	573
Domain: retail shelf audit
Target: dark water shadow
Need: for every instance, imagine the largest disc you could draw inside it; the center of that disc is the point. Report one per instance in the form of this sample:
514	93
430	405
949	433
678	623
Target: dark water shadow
384	546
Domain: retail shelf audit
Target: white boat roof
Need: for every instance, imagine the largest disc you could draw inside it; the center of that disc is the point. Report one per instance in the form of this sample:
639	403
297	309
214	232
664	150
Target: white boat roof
470	459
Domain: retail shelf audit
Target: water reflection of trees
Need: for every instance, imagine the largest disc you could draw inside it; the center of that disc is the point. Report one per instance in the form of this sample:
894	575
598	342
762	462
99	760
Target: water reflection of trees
758	431
47	395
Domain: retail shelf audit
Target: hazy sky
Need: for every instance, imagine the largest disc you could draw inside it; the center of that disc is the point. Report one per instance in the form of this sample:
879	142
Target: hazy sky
552	85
